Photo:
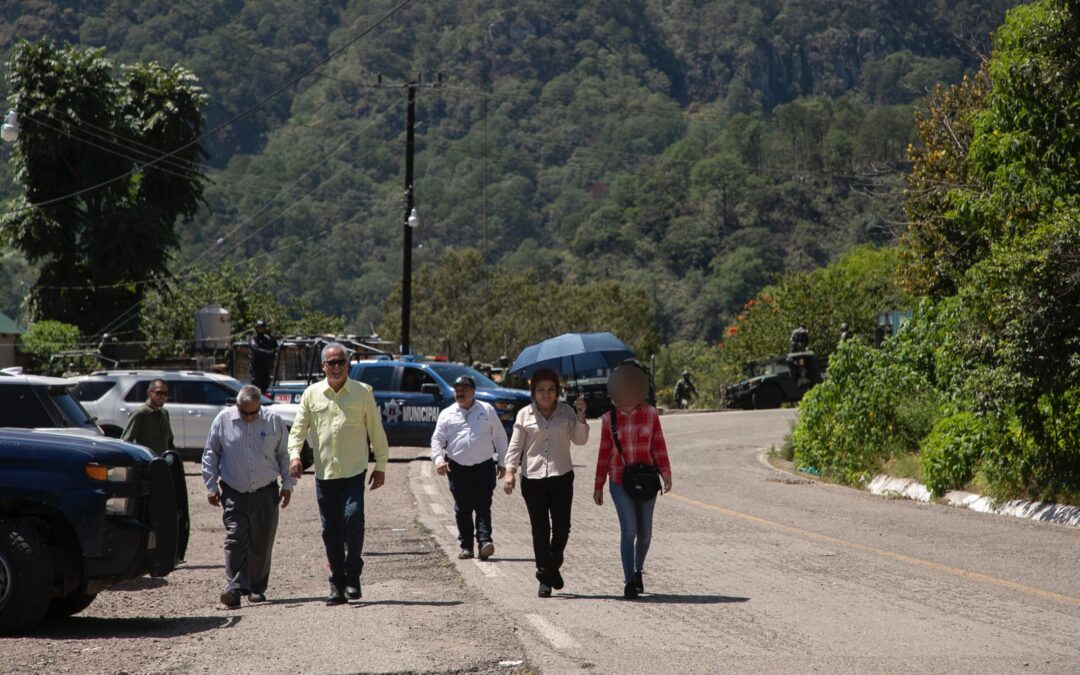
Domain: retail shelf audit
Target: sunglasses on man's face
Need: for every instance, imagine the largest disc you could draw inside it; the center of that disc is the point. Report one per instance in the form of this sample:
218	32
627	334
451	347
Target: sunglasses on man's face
160	392
335	363
244	413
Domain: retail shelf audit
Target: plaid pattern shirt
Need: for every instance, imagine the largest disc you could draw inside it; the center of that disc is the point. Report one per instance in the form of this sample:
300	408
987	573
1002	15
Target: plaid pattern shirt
642	442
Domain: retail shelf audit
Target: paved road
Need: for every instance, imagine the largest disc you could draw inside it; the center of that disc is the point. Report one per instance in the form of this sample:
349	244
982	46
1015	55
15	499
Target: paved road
753	569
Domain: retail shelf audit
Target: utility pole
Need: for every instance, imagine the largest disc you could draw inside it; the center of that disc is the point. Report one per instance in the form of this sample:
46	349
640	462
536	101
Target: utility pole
409	220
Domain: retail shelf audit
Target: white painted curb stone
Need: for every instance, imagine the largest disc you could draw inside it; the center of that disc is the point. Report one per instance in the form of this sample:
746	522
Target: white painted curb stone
1042	511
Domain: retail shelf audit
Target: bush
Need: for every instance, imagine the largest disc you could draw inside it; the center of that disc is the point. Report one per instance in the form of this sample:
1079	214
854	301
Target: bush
872	407
45	338
952	451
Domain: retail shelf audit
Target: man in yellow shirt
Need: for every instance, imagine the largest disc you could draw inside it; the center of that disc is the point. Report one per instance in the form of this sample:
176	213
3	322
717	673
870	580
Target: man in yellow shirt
345	424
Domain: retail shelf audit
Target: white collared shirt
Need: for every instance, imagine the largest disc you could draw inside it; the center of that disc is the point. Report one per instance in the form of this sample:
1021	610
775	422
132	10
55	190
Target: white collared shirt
469	436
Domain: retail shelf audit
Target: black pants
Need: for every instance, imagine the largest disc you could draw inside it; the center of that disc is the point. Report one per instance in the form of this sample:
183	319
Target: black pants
251	520
472	487
260	377
548	501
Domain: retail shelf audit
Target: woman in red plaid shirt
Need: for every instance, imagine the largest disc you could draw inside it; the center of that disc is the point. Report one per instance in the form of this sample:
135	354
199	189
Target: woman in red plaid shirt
642	442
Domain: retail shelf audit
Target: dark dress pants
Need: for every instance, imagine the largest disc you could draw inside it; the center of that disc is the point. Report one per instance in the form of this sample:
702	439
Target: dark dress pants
472	488
251	520
548	501
341	510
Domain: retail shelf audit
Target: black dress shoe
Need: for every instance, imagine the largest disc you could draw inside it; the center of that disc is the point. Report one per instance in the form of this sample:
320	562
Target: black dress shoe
257	597
556	580
336	597
231	599
544	591
630	591
639	583
352	589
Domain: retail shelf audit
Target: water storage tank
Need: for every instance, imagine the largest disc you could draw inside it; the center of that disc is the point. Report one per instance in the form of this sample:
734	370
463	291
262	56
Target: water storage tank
212	328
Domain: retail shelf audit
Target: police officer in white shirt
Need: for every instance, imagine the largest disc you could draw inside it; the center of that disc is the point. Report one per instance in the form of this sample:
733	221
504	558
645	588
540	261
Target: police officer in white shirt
469	446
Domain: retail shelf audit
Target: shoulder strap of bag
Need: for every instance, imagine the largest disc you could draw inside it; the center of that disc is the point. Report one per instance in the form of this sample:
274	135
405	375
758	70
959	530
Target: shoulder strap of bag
613	416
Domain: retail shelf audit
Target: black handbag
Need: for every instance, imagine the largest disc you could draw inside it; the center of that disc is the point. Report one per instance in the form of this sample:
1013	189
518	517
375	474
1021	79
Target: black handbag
641	481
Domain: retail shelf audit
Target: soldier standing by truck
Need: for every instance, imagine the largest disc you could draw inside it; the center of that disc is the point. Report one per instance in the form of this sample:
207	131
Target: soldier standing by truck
800	339
263	347
685	391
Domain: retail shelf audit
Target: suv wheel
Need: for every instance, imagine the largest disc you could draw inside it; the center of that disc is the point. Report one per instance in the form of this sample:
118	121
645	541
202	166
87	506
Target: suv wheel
25	576
70	604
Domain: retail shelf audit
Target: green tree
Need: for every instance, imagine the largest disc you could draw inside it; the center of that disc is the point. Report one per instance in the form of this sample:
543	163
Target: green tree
88	130
470	311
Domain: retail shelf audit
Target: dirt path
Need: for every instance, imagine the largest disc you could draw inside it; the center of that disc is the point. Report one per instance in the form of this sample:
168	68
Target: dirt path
417	614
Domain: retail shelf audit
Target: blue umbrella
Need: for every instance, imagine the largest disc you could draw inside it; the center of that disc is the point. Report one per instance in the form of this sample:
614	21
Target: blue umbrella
571	353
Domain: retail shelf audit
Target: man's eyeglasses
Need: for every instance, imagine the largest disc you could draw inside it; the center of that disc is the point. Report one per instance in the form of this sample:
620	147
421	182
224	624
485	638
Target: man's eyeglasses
335	363
160	392
245	414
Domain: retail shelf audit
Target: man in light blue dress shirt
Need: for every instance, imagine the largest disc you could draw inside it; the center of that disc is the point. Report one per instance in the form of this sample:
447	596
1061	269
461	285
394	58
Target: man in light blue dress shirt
245	455
469	447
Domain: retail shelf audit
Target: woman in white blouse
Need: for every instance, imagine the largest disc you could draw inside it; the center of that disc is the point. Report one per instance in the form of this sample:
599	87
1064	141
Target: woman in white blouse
540	446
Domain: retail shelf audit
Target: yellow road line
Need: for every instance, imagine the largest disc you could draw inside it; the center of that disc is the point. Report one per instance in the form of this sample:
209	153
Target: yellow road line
900	557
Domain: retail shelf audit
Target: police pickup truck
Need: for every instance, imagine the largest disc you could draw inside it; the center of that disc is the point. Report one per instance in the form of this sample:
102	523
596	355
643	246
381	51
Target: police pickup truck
410	395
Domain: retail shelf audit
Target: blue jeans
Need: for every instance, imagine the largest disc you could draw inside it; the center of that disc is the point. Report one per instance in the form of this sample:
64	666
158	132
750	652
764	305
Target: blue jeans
341	510
635	529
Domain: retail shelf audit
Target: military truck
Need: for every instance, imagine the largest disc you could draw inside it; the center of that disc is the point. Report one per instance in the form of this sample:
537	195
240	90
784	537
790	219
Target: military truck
774	382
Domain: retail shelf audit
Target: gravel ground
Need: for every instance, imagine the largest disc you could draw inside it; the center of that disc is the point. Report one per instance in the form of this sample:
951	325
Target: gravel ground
417	615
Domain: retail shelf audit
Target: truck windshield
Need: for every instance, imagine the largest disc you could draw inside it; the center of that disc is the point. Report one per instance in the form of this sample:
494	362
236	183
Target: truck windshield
72	409
452	371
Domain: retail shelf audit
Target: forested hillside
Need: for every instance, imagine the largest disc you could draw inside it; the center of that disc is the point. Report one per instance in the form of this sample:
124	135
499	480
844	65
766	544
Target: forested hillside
694	148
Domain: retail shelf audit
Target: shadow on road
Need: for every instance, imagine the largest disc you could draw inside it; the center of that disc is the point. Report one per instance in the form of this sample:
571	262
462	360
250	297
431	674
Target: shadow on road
365	603
91	627
409	603
388	553
662	598
185	566
139	584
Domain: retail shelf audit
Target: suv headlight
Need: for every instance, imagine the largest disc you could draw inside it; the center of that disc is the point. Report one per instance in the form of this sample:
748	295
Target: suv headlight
120	506
504	405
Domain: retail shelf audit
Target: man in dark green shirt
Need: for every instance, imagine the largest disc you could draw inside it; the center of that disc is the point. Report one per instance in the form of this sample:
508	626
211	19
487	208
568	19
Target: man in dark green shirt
149	425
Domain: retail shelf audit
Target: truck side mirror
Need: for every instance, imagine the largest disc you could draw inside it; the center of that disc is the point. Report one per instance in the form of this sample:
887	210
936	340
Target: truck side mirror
433	389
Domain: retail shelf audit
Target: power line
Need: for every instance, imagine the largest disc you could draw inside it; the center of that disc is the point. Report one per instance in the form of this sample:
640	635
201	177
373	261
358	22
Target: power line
111	151
306	196
304	175
125	317
258	104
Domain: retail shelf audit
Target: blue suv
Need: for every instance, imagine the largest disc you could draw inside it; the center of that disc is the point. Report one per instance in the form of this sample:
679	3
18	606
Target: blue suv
411	394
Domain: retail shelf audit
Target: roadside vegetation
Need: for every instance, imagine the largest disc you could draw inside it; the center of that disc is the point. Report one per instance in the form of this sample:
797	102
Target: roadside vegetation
982	383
